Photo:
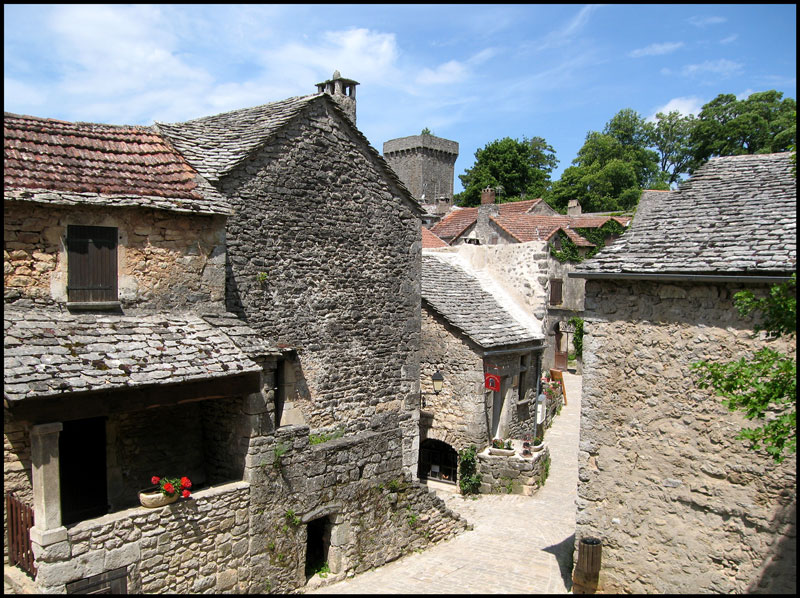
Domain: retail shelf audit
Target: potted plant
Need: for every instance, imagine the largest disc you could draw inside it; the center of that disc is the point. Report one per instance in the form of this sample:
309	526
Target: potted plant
164	491
501	447
538	442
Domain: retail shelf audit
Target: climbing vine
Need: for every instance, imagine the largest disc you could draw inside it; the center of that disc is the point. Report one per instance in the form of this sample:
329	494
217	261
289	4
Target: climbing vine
577	339
569	250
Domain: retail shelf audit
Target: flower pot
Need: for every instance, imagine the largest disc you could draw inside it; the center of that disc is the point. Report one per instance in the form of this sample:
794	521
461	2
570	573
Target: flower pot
503	452
537	447
153	498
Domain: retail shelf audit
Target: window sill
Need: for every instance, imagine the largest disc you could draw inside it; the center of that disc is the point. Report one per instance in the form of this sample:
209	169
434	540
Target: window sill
94	305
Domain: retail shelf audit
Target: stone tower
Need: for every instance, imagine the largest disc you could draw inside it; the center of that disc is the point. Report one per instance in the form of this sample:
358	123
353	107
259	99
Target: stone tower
425	164
343	91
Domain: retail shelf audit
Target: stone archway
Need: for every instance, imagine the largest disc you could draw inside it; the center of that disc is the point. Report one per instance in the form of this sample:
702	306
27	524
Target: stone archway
437	461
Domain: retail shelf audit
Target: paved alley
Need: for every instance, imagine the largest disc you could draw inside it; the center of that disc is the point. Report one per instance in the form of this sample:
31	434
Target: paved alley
519	544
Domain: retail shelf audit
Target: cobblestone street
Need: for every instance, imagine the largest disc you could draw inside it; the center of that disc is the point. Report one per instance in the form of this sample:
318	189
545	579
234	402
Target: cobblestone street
519	544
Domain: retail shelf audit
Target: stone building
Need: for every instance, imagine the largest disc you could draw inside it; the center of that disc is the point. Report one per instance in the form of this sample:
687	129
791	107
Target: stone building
679	503
234	299
543	282
471	329
426	164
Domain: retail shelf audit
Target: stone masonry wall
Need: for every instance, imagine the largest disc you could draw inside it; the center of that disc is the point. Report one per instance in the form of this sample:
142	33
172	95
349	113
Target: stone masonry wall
196	545
459	410
680	504
513	474
166	260
377	513
324	257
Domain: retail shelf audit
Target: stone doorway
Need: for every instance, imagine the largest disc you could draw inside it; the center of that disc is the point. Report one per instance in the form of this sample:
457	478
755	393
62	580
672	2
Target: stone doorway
318	544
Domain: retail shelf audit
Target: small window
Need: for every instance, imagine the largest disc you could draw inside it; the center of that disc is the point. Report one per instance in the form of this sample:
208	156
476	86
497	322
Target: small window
555	292
91	263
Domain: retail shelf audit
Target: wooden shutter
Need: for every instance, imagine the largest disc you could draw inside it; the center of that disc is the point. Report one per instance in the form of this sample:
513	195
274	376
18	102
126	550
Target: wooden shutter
92	263
555	292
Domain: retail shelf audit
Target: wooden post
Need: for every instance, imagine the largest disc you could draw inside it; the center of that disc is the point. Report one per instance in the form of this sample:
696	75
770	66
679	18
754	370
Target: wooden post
587	570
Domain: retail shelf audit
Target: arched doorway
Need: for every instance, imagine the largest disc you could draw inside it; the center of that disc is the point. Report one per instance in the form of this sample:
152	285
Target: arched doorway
437	461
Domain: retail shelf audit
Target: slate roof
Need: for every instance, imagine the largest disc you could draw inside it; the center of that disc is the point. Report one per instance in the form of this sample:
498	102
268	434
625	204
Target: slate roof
58	162
215	145
735	215
50	353
459	298
431	241
460	219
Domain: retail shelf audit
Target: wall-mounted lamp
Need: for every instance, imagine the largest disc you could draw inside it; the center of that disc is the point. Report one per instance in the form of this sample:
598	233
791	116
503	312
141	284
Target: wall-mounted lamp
438	381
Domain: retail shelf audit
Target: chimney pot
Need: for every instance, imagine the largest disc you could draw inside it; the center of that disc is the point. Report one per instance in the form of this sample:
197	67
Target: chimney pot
487	196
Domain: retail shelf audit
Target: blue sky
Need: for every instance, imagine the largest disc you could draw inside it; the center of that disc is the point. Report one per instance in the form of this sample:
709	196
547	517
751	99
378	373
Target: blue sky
471	73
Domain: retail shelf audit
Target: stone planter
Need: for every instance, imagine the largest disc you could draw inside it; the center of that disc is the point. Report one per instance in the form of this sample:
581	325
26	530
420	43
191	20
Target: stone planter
501	452
153	498
537	447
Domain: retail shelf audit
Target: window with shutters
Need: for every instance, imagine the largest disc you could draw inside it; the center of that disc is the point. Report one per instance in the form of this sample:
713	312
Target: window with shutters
91	263
555	292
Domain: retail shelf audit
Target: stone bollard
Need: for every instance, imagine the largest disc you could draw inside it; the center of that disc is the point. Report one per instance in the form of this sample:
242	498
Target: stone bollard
587	570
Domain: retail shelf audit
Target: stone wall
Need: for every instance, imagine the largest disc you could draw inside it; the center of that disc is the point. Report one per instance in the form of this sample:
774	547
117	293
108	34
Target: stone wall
196	545
324	257
680	504
513	474
459	414
376	513
166	260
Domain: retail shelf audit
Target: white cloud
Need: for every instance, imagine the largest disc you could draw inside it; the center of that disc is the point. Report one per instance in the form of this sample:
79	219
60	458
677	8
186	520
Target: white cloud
705	21
656	49
729	39
721	67
563	36
685	105
449	72
360	54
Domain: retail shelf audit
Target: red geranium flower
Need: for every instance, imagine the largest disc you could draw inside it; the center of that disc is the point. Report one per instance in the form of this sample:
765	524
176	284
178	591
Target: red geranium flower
155	480
185	494
169	488
186	482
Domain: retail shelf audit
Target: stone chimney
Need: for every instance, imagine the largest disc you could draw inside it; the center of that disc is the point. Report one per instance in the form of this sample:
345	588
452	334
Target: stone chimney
574	208
343	91
487	196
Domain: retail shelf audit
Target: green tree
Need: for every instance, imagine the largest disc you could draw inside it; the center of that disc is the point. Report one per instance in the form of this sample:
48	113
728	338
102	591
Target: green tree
521	168
669	135
760	124
611	168
763	387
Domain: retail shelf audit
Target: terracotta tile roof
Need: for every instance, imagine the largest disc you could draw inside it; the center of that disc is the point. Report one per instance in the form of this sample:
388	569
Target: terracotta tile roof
735	215
460	219
529	227
431	241
49	353
455	223
41	153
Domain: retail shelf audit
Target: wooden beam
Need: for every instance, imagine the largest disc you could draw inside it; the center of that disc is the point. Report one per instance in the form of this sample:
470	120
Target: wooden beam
81	405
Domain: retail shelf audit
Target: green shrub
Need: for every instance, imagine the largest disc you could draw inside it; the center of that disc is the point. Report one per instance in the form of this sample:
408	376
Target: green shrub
470	480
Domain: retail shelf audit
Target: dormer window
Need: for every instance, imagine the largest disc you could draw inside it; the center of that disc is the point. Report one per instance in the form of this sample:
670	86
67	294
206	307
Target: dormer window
91	264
